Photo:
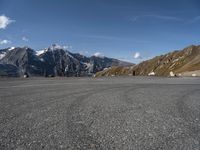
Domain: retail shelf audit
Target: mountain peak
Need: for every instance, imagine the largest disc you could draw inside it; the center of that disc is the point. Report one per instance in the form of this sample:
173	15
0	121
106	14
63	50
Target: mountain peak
54	61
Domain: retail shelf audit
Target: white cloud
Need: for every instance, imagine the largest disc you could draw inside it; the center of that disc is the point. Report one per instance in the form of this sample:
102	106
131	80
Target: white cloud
172	18
67	47
98	54
5	42
104	37
25	39
137	55
5	21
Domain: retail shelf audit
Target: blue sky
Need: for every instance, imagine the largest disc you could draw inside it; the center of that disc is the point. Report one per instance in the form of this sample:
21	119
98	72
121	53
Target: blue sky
115	28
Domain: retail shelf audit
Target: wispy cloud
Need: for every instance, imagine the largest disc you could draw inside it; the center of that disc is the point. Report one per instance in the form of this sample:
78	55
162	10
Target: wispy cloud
106	37
160	17
24	38
168	18
5	21
116	38
3	42
195	19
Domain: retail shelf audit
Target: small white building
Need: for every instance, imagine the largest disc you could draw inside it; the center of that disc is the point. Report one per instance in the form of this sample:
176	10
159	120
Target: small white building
171	74
151	74
26	76
194	75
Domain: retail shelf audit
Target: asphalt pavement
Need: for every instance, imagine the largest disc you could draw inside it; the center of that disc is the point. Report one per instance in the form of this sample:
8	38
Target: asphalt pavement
121	113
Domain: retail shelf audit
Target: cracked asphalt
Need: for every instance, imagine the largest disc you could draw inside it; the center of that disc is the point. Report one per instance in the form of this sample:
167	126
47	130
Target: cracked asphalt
121	113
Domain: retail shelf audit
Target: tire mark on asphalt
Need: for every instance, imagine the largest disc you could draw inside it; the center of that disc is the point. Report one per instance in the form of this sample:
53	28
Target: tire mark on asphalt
39	107
189	115
13	132
193	129
81	137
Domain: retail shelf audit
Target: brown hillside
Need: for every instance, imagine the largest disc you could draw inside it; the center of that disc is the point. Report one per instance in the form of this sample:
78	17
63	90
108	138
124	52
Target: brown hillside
178	62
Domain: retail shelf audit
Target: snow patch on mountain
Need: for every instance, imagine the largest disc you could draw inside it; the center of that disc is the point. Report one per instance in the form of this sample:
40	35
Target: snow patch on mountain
4	52
98	54
40	52
88	65
68	54
11	48
2	55
52	48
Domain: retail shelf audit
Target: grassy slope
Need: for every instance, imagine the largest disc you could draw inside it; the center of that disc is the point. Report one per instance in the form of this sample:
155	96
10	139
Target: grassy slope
178	61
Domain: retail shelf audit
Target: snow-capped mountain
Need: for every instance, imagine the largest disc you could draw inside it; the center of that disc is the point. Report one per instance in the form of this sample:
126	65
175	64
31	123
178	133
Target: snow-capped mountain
3	52
25	59
53	61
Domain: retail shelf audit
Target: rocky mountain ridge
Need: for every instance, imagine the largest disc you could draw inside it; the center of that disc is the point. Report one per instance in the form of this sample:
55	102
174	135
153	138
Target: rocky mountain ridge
175	63
53	61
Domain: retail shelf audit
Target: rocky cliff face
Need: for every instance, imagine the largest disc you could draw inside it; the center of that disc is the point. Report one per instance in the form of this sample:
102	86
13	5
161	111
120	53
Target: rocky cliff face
176	62
54	61
8	70
58	62
25	60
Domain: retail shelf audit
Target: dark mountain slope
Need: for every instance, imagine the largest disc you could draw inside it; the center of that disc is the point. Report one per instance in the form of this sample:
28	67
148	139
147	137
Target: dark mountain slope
25	59
55	61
